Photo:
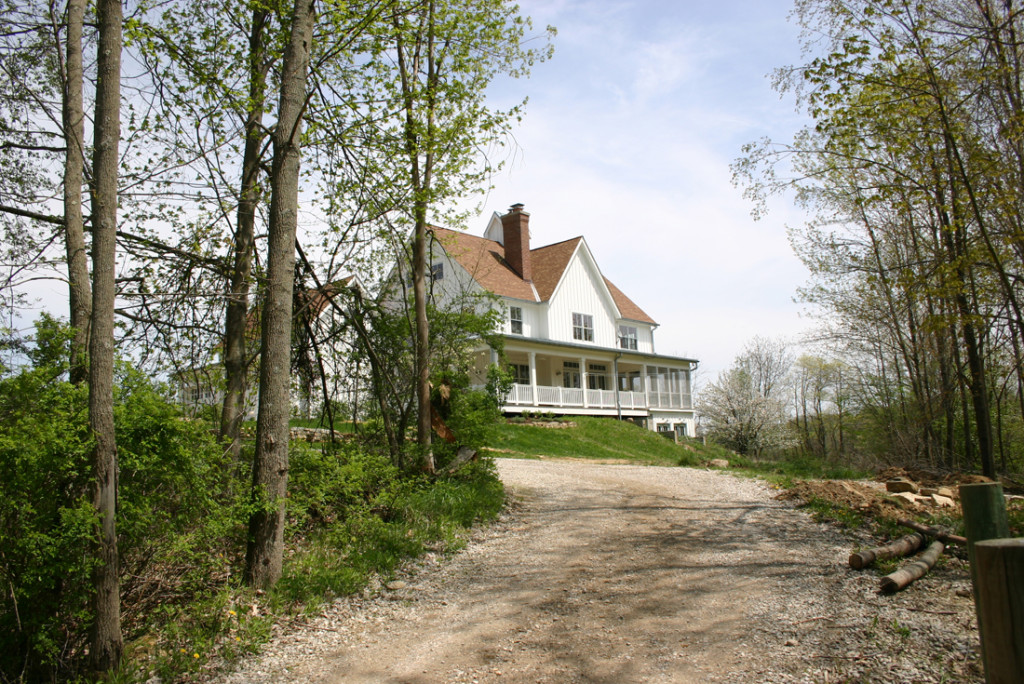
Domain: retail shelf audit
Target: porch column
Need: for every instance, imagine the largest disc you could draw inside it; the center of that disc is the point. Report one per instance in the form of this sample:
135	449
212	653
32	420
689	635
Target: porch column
583	380
533	377
494	357
647	396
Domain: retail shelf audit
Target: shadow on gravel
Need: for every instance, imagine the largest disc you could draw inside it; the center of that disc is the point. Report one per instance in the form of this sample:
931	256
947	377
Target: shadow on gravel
613	586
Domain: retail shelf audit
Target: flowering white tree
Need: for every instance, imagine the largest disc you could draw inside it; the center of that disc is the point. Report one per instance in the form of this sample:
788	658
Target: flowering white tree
746	408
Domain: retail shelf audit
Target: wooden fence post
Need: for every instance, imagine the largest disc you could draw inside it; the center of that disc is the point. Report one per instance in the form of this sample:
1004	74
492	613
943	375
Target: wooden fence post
999	593
984	508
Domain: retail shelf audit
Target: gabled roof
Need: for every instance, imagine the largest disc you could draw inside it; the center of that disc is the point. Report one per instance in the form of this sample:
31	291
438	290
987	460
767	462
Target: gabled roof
484	260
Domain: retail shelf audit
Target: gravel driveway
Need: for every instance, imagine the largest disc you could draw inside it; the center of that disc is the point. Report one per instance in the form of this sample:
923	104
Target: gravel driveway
618	573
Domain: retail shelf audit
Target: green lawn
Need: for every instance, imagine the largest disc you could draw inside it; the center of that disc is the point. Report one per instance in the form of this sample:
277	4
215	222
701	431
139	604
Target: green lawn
596	438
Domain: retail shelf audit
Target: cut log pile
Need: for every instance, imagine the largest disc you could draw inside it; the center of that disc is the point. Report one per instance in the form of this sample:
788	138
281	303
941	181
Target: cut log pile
911	543
906	546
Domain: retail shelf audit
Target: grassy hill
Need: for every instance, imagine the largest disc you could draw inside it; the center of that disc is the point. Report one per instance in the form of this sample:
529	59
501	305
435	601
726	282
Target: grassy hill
599	438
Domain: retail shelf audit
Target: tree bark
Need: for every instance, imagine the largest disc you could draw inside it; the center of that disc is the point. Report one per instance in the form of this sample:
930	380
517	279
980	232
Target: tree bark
903	577
264	555
79	292
236	368
901	547
106	641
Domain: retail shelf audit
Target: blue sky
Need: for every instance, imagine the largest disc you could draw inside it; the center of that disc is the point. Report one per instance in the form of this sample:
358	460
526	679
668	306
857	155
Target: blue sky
627	139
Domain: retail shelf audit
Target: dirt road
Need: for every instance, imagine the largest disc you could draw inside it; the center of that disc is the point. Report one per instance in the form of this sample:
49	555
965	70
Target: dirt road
631	574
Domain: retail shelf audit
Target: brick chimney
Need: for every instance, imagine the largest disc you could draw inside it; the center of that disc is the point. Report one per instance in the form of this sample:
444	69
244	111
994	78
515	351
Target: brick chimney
516	227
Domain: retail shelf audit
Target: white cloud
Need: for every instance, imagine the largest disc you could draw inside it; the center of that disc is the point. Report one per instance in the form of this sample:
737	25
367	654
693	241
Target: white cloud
628	139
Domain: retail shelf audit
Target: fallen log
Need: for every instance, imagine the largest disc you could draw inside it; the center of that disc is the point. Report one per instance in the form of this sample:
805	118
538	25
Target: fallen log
933	532
901	547
913	570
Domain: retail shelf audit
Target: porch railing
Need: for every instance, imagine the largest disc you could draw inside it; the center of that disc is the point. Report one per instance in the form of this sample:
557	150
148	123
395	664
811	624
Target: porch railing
571	397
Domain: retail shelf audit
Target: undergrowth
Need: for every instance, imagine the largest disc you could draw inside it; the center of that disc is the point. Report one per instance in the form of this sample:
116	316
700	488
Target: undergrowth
352	516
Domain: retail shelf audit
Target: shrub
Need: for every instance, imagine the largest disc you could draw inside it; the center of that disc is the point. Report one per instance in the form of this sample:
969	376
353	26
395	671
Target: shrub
176	523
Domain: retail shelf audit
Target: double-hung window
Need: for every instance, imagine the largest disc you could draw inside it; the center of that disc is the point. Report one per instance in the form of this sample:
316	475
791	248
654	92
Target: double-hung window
437	271
627	336
515	319
583	327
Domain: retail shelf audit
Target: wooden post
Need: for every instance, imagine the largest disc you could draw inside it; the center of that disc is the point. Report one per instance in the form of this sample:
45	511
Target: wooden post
999	594
984	508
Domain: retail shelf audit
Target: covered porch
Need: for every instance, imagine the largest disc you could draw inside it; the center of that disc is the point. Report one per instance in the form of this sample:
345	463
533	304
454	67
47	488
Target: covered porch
595	383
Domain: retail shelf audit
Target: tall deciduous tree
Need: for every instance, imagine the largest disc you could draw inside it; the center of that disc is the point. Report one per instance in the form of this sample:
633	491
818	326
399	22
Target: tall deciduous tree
913	168
265	550
439	58
79	292
106	630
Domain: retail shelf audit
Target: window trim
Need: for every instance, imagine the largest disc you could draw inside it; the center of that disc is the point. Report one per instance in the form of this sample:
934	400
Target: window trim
628	337
584	329
513	320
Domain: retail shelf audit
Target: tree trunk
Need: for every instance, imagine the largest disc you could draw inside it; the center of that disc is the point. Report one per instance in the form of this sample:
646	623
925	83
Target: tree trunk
914	570
933	532
79	292
264	555
423	423
106	641
901	547
236	367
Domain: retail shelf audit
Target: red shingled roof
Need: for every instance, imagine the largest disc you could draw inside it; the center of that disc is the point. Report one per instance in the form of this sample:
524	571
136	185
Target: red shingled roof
485	260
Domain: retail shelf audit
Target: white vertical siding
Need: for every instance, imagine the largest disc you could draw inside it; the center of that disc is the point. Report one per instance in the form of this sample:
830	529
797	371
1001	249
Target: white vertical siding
581	291
644	337
533	318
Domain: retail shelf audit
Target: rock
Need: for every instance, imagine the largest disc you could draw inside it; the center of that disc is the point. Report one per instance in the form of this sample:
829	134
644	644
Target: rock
913	498
397	584
943	501
718	463
901	484
946	492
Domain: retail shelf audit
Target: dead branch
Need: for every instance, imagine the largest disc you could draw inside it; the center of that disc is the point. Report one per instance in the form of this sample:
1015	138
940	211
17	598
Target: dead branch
933	532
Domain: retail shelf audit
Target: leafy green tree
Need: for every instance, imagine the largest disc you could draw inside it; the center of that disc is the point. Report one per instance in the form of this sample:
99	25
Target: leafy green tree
265	552
909	168
435	62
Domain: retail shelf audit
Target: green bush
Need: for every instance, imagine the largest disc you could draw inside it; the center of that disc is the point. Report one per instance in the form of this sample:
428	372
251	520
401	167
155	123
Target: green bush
46	522
175	522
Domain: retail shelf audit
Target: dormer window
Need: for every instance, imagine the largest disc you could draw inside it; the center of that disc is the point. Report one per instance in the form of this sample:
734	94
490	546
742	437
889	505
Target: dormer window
583	327
515	319
627	337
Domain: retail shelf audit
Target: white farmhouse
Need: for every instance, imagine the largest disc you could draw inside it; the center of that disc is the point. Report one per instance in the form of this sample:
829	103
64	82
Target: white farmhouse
577	345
